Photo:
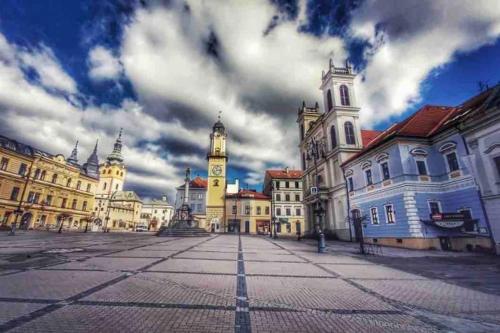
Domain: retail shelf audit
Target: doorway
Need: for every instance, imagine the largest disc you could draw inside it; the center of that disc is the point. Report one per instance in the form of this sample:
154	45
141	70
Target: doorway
247	227
445	243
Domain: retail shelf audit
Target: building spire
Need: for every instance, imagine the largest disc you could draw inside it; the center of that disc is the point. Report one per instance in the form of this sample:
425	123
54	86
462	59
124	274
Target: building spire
116	155
92	166
74	154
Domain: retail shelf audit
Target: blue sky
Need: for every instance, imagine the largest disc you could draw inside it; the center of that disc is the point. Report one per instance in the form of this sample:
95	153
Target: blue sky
163	69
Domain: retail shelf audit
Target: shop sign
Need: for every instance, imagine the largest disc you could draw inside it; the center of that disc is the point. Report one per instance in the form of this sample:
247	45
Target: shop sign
448	220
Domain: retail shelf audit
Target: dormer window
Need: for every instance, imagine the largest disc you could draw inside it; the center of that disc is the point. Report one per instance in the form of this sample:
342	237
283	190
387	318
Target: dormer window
349	133
329	101
344	95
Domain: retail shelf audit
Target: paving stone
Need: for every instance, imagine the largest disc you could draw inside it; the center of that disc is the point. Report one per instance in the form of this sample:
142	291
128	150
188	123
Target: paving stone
140	253
171	289
298	322
12	310
51	284
370	272
196	266
277	268
111	319
208	255
306	293
272	257
107	264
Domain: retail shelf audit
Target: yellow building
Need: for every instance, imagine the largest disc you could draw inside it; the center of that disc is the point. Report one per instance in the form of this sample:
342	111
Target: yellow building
39	190
114	208
248	212
217	160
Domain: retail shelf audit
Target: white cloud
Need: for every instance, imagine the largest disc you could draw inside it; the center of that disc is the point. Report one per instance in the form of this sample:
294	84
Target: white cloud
103	65
415	38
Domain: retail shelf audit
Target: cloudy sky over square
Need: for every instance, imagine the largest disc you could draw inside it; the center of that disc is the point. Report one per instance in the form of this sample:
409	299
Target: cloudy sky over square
162	71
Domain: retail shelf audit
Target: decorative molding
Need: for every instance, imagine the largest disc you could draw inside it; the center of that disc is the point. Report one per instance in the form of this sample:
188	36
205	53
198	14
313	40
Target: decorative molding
366	165
382	157
492	147
419	152
349	172
447	146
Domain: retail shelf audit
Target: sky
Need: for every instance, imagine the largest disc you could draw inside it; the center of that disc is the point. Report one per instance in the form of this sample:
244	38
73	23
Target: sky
162	71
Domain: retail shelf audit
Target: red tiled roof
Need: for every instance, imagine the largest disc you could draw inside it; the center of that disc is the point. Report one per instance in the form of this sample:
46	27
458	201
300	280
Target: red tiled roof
248	194
197	182
368	136
422	124
291	174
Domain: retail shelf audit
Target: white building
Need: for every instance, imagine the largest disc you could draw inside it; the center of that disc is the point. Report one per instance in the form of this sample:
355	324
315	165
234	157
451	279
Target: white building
157	213
233	188
336	135
479	123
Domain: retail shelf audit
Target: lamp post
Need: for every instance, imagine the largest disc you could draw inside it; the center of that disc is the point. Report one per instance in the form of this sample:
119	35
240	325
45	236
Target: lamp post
19	211
315	151
108	211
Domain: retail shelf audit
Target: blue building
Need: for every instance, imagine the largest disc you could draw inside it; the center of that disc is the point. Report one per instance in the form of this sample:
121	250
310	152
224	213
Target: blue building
411	186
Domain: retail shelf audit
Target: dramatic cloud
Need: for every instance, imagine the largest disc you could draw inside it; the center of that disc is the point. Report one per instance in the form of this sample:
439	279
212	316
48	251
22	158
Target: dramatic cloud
408	39
103	64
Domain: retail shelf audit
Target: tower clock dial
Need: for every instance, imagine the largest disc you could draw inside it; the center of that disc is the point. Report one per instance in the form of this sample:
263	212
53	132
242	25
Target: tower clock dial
217	170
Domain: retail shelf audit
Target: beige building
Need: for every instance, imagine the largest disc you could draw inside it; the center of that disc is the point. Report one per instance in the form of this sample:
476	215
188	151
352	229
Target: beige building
156	213
123	212
286	190
39	190
248	211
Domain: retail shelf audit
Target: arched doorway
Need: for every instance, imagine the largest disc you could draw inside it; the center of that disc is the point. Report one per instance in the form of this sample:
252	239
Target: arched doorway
26	221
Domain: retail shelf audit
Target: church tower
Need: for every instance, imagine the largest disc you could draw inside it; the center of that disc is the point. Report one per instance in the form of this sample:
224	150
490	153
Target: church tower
112	173
217	160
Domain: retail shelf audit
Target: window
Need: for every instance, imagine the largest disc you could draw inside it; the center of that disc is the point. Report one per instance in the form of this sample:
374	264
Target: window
298	211
247	210
14	193
385	171
88	187
68	183
278	211
234	210
104	186
349	133
22	169
368	174
54	178
109	171
199	207
287	184
116	187
297	197
451	158
289	228
267	210
390	215
303	161
288	212
278	197
333	137
278	227
421	168
259	210
302	133
48	201
297	185
344	95
63	203
31	197
84	205
434	207
287	197
350	184
73	204
329	100
78	184
374	215
277	185
497	164
117	172
4	163
37	174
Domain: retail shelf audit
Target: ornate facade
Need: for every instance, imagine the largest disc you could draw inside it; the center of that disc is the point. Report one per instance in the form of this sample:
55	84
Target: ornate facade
247	212
39	190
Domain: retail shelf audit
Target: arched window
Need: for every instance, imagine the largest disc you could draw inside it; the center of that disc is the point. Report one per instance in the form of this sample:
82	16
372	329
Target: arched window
333	137
68	182
104	186
42	175
349	133
54	178
37	174
344	95
329	101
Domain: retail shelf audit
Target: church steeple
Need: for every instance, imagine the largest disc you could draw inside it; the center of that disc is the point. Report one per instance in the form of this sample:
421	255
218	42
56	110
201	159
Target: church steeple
92	165
74	154
116	155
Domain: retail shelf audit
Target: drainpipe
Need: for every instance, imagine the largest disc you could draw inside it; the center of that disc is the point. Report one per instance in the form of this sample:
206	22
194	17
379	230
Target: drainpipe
481	201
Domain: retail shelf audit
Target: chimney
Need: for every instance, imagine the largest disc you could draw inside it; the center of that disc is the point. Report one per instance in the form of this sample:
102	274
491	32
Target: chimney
286	170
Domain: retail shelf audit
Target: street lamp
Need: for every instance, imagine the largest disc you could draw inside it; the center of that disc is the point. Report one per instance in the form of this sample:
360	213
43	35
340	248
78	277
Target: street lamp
316	151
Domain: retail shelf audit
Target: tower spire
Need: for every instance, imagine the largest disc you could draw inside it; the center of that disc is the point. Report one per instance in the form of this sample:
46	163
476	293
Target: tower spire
92	166
116	155
74	154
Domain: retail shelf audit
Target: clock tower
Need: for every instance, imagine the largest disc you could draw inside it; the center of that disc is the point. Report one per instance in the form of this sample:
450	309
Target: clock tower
217	160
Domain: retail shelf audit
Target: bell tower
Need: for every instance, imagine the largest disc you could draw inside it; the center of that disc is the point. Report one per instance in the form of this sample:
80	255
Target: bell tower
217	160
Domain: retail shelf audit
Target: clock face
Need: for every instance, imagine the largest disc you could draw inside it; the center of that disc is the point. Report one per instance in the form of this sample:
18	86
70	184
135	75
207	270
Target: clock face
217	170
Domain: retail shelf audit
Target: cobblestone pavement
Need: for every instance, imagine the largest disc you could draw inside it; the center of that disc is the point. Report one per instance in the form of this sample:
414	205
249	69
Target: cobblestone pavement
94	282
